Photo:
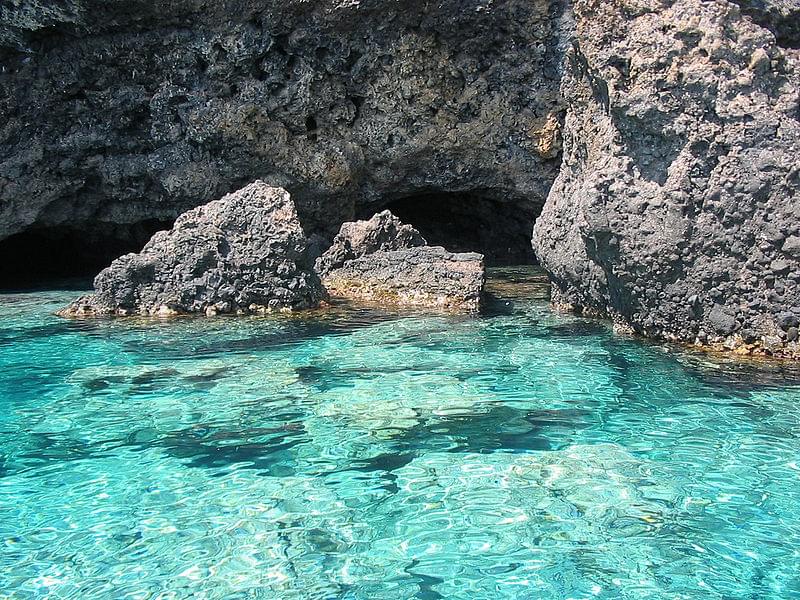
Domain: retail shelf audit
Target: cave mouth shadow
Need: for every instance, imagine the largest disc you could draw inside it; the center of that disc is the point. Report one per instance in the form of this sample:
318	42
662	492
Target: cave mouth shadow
501	230
69	255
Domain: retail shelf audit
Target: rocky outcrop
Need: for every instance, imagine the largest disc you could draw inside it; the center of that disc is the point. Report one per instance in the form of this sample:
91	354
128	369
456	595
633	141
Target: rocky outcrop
677	208
385	261
382	232
243	253
120	111
427	276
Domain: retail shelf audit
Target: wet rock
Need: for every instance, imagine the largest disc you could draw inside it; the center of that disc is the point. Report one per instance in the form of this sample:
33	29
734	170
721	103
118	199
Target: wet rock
679	176
427	276
243	253
382	232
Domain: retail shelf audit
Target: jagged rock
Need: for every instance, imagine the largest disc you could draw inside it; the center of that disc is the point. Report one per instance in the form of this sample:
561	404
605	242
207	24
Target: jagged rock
677	192
383	231
124	111
420	276
383	260
243	253
677	208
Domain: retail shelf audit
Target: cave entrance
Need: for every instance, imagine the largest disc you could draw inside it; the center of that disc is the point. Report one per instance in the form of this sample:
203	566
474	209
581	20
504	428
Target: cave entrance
69	255
469	222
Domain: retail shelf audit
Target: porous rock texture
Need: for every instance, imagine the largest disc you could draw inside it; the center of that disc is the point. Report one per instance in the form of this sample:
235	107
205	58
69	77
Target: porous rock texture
676	211
383	231
123	110
427	276
384	260
243	253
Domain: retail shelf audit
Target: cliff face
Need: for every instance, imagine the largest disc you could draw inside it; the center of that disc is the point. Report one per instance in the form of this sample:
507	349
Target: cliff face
676	211
119	111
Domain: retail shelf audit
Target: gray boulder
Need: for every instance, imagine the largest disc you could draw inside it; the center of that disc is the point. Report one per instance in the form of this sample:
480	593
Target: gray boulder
383	231
244	253
385	261
427	276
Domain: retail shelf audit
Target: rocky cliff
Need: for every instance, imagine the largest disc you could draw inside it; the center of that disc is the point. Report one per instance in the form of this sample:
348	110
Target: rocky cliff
677	208
118	111
673	209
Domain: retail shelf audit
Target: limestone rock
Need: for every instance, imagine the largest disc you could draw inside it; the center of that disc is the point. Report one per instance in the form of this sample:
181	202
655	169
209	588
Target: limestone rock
123	111
243	253
677	208
428	276
383	231
385	261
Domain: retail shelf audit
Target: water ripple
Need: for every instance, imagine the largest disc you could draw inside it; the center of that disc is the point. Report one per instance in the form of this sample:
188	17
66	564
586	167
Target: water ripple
370	453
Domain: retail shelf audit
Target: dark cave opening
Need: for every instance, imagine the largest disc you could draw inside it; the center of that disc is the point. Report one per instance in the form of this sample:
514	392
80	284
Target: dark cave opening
69	255
470	222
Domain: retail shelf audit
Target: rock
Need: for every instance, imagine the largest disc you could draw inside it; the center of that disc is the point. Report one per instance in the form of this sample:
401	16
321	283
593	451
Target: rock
243	253
129	111
382	232
679	175
663	133
428	276
792	246
383	260
722	320
787	320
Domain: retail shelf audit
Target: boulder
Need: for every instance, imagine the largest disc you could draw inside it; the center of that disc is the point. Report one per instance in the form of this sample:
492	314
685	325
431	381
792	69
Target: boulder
383	231
385	261
244	253
427	276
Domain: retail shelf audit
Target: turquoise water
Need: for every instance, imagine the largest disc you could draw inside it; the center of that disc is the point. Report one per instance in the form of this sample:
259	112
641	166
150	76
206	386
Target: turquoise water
365	453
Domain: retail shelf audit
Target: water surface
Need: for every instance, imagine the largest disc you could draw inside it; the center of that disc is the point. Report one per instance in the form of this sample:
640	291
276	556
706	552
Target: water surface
375	454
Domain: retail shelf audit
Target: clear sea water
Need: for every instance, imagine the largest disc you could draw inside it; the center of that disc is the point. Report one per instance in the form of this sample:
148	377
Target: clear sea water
375	454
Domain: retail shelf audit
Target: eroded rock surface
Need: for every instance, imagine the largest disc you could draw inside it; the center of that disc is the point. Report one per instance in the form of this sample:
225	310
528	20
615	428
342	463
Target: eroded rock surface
384	260
427	276
677	208
383	231
675	211
117	111
243	253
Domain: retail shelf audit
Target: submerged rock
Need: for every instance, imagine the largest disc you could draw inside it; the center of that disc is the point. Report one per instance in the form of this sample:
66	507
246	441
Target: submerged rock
419	276
244	253
383	260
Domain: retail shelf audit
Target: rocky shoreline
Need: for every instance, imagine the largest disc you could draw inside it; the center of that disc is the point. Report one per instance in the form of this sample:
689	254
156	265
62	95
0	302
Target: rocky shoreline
648	149
247	254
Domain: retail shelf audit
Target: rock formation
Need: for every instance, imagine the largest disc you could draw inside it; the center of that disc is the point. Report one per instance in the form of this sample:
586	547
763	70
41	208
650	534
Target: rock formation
383	260
382	232
674	210
243	253
428	276
677	208
120	111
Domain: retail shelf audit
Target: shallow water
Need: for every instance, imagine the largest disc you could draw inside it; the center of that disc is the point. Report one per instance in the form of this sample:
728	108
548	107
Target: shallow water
375	454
